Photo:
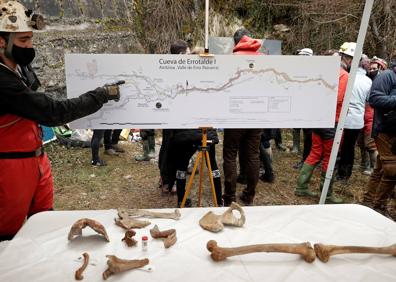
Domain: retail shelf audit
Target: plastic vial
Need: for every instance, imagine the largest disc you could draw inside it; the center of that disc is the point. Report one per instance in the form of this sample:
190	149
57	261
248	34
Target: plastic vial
144	243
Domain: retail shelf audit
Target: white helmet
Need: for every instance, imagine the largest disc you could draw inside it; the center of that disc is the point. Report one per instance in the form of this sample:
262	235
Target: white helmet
348	48
14	17
305	52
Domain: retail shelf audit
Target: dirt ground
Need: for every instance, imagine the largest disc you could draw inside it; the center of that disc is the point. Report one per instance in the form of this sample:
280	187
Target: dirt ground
125	182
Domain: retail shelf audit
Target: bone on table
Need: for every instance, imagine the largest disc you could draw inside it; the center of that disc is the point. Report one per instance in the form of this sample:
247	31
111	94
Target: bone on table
79	225
169	235
78	275
145	213
128	238
305	250
117	265
324	252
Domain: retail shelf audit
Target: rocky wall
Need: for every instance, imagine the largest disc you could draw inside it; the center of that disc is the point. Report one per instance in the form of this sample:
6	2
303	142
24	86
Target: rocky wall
95	9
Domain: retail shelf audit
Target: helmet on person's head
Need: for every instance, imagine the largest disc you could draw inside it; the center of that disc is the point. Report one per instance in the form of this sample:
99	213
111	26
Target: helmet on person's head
305	52
380	62
14	17
348	48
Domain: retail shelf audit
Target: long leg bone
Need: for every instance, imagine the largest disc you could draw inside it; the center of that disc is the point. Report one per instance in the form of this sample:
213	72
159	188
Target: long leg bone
129	238
117	265
324	252
169	235
78	275
144	213
305	250
128	223
80	224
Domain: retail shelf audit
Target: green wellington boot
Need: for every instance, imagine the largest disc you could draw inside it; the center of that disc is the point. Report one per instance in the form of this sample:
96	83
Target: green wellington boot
303	181
331	198
145	155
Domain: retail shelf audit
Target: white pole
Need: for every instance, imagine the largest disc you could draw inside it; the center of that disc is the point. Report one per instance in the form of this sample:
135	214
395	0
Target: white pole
206	26
351	81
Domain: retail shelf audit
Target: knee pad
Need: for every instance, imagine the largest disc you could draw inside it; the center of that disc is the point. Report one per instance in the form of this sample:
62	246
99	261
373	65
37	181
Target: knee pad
181	174
216	173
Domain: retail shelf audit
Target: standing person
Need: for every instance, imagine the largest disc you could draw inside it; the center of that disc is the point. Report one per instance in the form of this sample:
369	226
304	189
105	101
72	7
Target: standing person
248	138
111	138
368	149
354	121
22	109
166	162
383	179
322	139
185	143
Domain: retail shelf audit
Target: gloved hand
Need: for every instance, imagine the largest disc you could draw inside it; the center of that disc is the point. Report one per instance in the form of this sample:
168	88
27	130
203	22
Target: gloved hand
112	90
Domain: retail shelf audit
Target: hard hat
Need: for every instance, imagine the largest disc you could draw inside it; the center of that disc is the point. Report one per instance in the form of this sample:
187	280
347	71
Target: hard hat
348	48
379	61
305	52
14	17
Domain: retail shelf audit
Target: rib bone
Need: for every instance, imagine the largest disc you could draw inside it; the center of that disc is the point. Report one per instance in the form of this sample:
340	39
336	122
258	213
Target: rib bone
128	238
145	213
117	265
79	225
324	252
305	250
78	275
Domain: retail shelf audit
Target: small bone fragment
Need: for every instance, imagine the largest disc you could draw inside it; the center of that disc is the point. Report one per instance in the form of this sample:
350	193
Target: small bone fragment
170	240
169	235
79	225
156	233
211	222
324	252
228	217
128	238
128	223
144	213
215	223
78	275
305	250
117	265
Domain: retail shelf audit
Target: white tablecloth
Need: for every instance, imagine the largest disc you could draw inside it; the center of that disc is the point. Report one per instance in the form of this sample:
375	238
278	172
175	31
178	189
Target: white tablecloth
41	251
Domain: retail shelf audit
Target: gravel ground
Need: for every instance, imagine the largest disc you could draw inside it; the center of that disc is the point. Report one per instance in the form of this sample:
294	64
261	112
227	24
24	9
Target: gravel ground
130	184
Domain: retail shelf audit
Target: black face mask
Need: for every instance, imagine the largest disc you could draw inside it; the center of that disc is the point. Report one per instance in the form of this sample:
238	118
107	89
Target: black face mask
23	56
372	74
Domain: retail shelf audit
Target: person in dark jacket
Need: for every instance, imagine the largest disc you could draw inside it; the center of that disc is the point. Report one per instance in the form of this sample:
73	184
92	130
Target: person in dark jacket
26	184
383	179
248	138
185	143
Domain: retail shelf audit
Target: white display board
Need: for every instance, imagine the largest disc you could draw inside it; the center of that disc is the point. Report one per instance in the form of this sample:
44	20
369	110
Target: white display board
224	91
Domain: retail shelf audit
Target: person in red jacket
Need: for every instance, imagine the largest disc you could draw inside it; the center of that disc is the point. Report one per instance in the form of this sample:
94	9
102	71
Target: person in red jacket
322	139
242	140
26	184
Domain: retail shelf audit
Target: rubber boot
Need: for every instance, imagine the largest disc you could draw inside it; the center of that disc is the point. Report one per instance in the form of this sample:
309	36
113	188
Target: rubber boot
330	198
303	181
365	163
266	160
371	164
151	147
145	156
296	141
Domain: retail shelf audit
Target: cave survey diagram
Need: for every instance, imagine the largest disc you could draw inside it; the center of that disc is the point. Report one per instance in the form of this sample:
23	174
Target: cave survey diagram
223	91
